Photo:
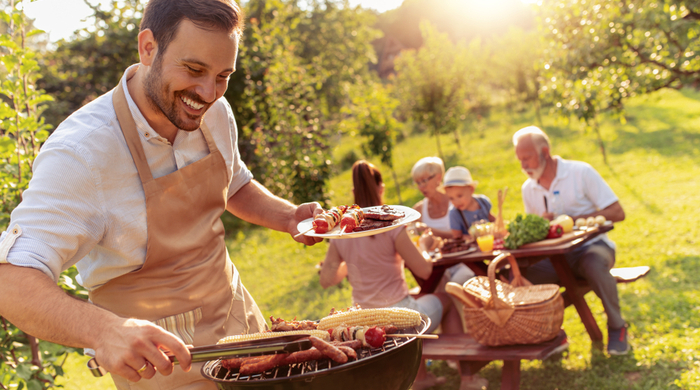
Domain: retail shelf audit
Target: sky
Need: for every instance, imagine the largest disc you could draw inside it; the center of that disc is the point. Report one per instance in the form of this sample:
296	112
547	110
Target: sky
59	18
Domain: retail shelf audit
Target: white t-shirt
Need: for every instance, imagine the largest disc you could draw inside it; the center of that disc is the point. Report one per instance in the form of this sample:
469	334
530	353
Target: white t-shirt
581	191
85	203
442	223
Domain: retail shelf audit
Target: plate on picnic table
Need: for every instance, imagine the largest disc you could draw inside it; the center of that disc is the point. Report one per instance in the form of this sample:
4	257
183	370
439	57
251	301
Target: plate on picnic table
410	215
459	253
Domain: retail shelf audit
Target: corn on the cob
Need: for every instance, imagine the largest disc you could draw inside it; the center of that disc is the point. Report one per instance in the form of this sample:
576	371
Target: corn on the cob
399	317
322	334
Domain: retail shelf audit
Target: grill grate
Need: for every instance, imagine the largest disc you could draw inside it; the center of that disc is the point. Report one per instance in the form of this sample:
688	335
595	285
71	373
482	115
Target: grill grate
215	370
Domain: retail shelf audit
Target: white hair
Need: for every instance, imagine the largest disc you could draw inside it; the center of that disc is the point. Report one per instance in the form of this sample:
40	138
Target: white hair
428	166
538	137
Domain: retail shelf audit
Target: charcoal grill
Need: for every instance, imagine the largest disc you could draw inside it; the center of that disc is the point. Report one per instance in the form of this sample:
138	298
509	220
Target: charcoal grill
391	367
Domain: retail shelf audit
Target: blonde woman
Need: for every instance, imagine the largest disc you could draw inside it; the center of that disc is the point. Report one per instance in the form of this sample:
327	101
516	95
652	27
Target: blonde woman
435	209
427	173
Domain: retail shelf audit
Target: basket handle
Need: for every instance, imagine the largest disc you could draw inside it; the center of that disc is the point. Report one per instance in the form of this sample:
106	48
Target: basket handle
498	311
493	265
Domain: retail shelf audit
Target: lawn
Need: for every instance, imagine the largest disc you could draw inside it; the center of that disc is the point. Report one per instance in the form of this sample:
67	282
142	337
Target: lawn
654	165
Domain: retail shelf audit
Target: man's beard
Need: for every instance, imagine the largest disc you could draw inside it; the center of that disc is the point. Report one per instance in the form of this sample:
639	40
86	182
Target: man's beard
536	173
158	94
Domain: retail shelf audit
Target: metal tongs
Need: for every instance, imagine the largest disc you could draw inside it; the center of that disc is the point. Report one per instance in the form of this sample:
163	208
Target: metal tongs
271	345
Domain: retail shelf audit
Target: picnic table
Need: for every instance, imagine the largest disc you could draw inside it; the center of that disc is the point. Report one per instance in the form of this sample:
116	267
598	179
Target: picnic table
574	292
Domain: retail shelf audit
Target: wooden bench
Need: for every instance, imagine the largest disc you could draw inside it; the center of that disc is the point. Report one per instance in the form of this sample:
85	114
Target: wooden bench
622	275
473	356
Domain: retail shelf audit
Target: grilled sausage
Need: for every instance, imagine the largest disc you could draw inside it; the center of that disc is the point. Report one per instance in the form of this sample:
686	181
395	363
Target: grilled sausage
329	350
349	352
302	356
233	363
262	365
354	344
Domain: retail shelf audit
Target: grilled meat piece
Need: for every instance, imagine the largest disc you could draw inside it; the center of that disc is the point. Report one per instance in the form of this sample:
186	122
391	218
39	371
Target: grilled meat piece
384	213
371	224
280	325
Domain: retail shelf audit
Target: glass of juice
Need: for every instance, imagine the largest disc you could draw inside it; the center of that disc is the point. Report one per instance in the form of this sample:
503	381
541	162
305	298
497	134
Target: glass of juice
484	235
485	242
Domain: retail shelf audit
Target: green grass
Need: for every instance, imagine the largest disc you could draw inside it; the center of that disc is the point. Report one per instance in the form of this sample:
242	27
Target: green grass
654	168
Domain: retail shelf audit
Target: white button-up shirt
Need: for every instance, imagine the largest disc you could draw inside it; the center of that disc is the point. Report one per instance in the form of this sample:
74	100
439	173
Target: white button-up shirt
581	191
85	204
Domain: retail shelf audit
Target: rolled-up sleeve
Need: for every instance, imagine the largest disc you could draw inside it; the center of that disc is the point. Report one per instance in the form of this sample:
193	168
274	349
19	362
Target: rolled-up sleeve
60	218
241	174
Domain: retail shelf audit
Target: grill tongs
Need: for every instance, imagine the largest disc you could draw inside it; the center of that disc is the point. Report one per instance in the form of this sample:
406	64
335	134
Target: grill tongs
268	346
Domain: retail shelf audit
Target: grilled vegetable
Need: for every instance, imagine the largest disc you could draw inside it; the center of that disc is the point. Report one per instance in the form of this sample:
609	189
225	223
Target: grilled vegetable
264	335
397	316
531	228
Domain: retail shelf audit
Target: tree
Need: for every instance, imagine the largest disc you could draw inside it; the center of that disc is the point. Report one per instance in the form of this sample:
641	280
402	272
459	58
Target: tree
294	72
438	83
600	53
24	360
514	66
93	62
371	115
276	103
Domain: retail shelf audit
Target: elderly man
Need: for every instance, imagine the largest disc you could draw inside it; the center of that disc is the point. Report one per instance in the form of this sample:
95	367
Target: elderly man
582	193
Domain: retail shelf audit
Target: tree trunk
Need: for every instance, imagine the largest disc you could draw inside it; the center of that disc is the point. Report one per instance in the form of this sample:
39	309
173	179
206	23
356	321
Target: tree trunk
396	183
601	144
538	112
436	131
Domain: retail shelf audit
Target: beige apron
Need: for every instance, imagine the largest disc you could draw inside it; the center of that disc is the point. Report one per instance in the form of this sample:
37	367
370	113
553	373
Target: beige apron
187	285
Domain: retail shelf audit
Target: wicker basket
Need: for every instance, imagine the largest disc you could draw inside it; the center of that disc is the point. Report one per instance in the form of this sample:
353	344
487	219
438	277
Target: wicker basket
497	313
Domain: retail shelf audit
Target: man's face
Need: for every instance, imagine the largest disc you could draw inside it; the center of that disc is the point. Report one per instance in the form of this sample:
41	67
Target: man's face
192	73
460	196
531	162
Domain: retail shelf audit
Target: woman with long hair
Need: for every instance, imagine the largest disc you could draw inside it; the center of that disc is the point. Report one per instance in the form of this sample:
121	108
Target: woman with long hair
374	265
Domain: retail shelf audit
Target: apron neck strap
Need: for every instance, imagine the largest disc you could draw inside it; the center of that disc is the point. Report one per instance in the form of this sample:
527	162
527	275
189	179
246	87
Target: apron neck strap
207	136
131	135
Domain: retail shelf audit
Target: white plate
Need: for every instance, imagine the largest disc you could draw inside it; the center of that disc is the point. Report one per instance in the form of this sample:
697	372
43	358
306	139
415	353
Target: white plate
410	215
460	253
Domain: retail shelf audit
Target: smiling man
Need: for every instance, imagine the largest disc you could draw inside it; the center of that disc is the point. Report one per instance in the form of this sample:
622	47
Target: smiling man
130	189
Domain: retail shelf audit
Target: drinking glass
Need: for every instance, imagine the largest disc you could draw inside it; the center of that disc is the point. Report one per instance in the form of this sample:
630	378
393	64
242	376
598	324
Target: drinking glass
484	235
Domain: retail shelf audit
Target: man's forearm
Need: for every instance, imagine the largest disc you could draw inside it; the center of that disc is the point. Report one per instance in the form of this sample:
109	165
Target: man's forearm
256	204
34	303
614	213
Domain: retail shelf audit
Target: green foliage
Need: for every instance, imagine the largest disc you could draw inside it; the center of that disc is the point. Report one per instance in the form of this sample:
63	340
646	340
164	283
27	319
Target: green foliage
515	65
277	108
438	84
600	53
80	70
531	228
25	362
294	69
371	116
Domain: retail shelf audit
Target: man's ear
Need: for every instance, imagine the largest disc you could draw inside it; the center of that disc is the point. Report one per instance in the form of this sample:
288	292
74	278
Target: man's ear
545	152
148	48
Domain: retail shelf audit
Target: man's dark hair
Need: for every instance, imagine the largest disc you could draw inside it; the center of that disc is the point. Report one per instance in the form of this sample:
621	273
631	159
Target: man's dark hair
163	17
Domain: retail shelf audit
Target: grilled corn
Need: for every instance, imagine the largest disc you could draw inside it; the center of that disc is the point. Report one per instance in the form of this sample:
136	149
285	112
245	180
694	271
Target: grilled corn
322	334
399	317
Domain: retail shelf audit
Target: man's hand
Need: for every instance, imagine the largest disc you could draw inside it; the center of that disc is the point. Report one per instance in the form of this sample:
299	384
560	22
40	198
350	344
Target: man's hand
548	216
304	211
129	345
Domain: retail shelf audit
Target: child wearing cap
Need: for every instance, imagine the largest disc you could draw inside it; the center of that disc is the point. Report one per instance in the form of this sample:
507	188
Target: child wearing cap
468	208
